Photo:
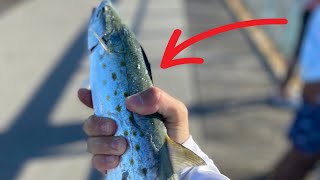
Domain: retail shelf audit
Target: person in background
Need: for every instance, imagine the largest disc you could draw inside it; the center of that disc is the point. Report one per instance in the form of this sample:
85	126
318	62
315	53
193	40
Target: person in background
304	133
309	6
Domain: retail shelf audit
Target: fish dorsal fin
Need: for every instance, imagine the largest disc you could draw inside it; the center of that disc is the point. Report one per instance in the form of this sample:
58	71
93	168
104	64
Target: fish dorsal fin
147	63
179	158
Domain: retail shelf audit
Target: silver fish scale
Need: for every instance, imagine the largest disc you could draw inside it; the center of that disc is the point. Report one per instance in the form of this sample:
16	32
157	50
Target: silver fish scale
110	70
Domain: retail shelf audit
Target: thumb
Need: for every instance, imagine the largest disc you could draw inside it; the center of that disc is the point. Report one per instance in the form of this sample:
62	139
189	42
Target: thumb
174	112
155	100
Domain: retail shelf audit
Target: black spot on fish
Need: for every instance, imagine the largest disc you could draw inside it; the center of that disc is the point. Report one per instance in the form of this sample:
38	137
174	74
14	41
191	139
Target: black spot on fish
126	133
134	133
125	94
114	76
125	175
130	118
108	98
118	108
137	146
131	161
104	65
141	134
115	92
123	63
144	171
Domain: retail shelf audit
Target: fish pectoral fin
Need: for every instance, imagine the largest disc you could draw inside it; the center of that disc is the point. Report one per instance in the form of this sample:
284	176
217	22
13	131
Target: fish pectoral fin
180	158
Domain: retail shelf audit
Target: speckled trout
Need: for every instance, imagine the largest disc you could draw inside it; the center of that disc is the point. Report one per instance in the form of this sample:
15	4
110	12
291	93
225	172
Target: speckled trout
119	68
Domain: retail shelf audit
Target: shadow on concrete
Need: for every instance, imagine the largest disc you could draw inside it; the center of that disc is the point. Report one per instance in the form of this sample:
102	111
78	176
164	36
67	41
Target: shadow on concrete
201	16
31	136
6	5
225	105
192	9
201	108
260	177
263	61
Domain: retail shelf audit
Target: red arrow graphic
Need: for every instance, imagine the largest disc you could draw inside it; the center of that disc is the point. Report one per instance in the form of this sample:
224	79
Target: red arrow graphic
173	50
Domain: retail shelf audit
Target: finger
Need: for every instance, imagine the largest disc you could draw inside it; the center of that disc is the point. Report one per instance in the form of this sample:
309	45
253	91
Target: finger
155	100
103	163
85	97
99	126
107	145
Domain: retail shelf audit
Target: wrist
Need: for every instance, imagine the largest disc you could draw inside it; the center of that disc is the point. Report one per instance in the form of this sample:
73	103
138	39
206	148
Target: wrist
179	134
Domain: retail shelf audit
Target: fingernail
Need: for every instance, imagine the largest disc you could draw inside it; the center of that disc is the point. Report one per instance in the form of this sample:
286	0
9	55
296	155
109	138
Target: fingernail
116	144
106	127
136	99
109	159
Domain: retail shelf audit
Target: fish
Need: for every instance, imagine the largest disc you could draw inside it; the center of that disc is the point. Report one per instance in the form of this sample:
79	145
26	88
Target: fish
119	68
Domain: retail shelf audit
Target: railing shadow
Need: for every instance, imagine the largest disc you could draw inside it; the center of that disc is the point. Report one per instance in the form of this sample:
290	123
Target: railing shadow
31	136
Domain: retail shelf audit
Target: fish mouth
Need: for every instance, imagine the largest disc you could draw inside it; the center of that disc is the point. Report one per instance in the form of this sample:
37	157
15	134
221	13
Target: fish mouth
107	2
98	25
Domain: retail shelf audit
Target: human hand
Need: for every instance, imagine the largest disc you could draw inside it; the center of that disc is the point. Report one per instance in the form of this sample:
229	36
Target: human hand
107	149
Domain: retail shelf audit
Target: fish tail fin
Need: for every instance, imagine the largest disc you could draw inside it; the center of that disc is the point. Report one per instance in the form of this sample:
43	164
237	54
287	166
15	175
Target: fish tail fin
174	158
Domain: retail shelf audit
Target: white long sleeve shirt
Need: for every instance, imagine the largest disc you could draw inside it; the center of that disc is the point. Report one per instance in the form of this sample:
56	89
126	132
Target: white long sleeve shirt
207	172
